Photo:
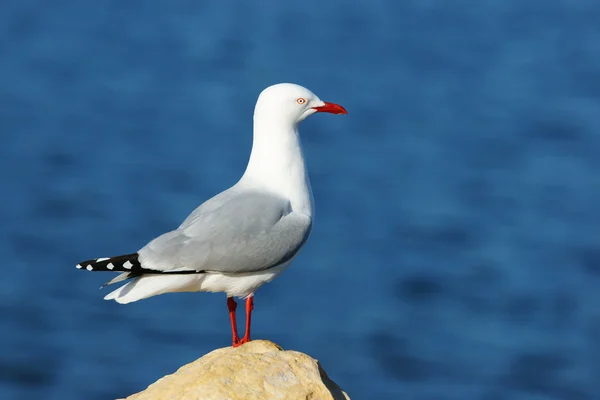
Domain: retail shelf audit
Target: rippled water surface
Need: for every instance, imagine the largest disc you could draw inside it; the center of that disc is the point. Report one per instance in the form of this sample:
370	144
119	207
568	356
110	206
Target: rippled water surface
455	249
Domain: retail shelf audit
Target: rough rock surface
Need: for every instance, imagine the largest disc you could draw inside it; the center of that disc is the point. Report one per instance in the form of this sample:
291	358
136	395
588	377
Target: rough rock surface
257	370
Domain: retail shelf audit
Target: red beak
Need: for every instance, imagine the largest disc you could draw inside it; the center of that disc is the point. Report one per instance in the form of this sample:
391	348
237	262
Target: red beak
331	108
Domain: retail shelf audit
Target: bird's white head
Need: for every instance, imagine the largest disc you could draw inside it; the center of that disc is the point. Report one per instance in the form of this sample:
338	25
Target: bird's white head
276	161
292	104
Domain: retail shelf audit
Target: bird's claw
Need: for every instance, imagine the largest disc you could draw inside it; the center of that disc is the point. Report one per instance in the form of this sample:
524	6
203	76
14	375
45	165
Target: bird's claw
239	342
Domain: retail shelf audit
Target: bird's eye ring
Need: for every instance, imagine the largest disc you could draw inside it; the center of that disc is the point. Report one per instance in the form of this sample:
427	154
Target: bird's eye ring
300	100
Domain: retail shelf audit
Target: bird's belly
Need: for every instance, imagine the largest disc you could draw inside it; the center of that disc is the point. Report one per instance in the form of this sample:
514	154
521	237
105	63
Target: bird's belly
239	285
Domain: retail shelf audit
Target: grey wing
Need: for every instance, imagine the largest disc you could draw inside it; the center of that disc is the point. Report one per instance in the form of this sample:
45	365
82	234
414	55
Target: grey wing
210	205
246	232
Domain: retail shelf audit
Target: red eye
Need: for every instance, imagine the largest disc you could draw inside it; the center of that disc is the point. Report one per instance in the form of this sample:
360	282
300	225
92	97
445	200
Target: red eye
300	100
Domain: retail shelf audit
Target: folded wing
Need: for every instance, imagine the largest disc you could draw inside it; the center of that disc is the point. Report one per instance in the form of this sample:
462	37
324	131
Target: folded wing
245	232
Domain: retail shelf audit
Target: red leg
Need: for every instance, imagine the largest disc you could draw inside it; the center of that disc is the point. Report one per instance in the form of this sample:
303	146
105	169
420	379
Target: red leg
249	308
232	305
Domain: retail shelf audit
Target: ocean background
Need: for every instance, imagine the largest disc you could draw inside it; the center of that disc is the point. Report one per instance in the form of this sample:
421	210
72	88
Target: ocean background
455	250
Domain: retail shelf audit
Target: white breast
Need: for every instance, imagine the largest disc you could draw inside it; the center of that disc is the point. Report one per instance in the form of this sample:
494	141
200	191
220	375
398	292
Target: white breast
238	285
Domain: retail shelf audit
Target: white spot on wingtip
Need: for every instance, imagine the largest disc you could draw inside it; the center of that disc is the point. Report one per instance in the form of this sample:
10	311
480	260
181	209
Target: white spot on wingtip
79	266
110	266
127	265
89	268
101	259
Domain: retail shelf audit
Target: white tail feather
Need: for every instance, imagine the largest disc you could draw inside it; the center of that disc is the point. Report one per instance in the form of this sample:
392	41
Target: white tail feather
152	285
121	277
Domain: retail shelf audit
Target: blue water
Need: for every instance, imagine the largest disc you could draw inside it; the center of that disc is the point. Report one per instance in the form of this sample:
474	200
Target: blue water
455	249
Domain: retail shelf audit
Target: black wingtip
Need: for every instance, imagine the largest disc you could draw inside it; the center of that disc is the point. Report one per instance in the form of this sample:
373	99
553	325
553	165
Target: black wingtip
124	263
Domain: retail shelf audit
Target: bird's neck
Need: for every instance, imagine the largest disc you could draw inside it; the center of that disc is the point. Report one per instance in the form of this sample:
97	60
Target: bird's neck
277	163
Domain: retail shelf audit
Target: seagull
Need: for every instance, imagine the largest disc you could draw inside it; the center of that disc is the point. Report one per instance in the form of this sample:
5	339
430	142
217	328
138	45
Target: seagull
244	236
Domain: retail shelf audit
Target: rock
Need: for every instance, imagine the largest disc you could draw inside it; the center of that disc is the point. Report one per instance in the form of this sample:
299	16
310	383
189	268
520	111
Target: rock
254	371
